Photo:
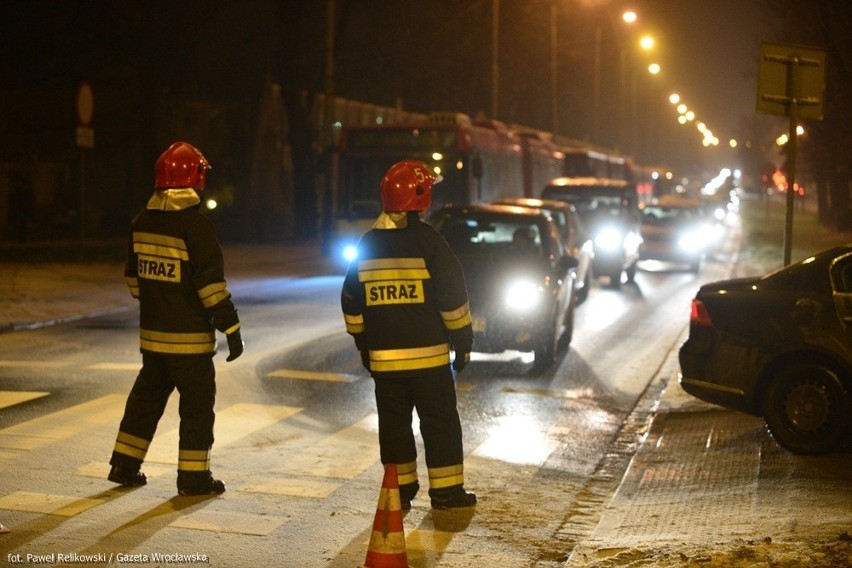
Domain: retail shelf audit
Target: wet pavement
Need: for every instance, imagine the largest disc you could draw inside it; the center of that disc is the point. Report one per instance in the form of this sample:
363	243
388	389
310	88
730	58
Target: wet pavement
698	475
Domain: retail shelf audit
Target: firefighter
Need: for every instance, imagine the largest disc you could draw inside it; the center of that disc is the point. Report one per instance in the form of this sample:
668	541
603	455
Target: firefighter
175	269
405	303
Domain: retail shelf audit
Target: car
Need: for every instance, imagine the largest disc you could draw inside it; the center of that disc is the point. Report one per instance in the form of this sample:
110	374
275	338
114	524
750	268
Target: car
575	238
519	277
677	233
609	210
778	346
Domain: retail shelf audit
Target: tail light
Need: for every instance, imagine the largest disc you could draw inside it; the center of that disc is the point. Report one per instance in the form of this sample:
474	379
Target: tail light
698	314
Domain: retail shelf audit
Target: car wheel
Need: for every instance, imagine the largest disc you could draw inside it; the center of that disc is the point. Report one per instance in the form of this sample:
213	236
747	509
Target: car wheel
695	266
568	332
631	272
615	279
807	408
545	347
583	292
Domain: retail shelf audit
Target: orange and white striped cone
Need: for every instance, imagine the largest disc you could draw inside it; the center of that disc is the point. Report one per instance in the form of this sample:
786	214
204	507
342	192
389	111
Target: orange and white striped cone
387	542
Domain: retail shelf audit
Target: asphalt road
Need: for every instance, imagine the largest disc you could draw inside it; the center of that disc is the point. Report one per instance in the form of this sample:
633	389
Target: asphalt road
553	456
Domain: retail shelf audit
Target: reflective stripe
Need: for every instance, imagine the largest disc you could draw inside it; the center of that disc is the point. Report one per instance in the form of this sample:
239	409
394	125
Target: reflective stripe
193	460
410	359
232	329
396	274
385	263
458	318
392	269
354	324
406	472
132	285
131	445
160	245
177	343
214	293
447	476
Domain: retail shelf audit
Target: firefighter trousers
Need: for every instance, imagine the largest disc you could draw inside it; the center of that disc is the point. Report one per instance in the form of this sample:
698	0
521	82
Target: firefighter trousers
434	397
194	377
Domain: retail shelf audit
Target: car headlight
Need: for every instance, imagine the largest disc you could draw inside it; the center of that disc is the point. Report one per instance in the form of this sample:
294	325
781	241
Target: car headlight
691	242
609	239
522	295
349	252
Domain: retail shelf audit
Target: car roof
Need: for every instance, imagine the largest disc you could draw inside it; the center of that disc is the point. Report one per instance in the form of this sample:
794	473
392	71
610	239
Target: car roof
536	202
494	208
586	181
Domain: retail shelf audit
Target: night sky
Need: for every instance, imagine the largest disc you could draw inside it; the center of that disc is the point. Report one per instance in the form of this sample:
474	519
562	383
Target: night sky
425	55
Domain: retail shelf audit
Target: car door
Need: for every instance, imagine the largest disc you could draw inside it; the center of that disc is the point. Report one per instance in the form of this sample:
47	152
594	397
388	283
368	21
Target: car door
841	281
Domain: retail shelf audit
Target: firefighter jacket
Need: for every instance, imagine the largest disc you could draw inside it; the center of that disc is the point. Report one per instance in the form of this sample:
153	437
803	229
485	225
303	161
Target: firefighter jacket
404	299
176	271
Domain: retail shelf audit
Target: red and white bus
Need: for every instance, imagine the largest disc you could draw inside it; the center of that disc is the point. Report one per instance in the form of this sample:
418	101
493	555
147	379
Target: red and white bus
479	162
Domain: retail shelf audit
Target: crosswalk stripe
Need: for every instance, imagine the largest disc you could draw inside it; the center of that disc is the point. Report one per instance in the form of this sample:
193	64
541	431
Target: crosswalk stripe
314	376
11	398
518	440
115	367
61	505
63	424
232	423
235	523
312	489
343	455
30	364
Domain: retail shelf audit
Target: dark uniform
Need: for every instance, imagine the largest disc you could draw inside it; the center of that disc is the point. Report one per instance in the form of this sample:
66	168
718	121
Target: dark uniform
175	269
405	303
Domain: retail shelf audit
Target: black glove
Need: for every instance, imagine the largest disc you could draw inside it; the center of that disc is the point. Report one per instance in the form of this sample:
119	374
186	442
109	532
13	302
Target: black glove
235	345
461	360
365	359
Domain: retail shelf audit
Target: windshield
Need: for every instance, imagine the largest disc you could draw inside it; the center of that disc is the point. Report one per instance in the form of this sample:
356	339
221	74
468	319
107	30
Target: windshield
489	233
669	216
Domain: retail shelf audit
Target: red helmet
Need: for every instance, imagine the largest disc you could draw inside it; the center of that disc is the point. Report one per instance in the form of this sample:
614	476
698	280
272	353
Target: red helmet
407	186
181	165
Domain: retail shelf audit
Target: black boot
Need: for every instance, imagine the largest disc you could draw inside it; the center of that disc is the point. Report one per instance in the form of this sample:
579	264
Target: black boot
127	476
198	483
407	492
452	497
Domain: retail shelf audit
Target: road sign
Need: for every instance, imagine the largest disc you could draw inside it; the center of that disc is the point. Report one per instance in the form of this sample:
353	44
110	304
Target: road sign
85	111
791	76
85	104
85	137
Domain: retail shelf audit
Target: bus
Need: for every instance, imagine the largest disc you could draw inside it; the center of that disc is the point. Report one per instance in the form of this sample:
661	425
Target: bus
478	161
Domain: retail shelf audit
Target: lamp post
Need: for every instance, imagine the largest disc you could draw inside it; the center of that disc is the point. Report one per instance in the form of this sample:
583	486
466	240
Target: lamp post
495	36
554	105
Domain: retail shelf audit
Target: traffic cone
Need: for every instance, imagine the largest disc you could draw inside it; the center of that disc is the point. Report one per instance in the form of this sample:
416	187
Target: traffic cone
387	542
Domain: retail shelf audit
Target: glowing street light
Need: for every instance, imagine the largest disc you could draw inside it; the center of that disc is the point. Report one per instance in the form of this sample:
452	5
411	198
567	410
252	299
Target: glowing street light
629	17
654	68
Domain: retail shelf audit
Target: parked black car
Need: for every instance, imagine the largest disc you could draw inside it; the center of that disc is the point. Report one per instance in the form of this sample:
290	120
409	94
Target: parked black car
779	346
519	277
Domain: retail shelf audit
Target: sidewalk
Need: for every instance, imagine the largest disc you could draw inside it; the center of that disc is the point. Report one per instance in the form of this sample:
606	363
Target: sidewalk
44	293
709	487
